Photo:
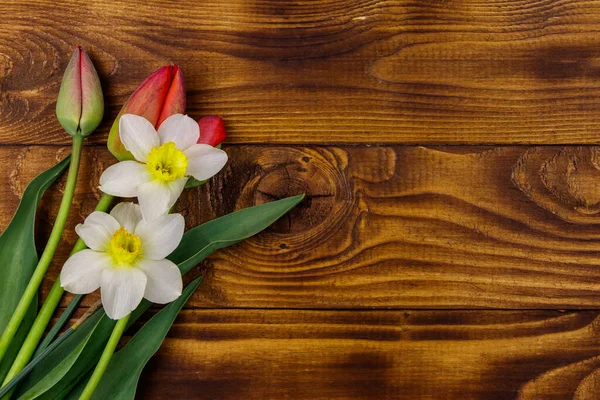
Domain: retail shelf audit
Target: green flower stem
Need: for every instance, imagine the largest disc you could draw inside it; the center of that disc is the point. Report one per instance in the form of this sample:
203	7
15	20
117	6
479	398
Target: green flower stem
103	205
6	390
47	310
46	258
107	354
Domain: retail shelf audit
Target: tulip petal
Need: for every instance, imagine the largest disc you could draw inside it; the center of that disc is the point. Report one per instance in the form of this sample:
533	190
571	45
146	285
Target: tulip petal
97	230
164	281
138	136
149	98
204	161
179	129
175	100
160	236
212	130
122	290
82	272
92	100
68	104
123	178
127	214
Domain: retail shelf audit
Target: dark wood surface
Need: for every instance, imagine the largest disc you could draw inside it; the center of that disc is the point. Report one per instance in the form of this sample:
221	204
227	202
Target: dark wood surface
257	354
323	71
435	256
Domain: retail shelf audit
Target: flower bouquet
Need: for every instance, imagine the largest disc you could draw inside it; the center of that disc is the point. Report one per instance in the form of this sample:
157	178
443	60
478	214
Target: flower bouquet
136	253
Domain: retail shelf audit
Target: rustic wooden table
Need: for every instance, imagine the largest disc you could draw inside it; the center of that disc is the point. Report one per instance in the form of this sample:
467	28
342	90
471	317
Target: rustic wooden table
449	246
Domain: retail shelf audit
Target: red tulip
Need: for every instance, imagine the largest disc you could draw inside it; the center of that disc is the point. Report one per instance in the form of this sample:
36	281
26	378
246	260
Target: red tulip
161	95
212	130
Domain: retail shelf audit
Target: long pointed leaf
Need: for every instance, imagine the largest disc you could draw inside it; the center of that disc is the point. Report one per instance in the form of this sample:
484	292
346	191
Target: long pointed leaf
197	244
203	240
60	370
98	327
123	373
18	258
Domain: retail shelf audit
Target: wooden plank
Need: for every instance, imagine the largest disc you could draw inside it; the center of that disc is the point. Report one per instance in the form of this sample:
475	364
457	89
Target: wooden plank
260	354
333	71
402	227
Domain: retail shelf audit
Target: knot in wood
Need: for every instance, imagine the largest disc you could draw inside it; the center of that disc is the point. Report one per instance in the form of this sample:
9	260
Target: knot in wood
565	181
288	172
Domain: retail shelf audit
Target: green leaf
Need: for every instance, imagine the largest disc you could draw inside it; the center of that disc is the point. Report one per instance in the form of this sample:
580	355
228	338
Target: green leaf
98	328
193	182
61	369
123	373
18	258
197	244
201	241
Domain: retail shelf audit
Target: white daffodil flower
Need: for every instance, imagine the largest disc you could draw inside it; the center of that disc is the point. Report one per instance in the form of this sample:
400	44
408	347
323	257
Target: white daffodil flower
164	162
126	259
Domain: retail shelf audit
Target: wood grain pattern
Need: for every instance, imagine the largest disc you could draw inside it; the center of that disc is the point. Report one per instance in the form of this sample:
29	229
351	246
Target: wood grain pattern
327	98
294	72
258	354
403	227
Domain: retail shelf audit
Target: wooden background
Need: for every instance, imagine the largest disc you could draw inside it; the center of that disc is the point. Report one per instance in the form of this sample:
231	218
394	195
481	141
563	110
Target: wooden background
449	246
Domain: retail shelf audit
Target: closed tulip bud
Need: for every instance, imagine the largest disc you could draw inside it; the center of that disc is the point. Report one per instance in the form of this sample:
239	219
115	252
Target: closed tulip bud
80	104
212	130
161	95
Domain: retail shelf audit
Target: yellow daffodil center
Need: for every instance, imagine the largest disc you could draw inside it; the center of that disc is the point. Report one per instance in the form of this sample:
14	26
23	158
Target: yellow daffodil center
124	248
167	163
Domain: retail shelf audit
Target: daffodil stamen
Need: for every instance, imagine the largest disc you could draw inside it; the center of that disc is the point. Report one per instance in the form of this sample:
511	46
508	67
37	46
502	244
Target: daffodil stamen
167	163
126	259
124	248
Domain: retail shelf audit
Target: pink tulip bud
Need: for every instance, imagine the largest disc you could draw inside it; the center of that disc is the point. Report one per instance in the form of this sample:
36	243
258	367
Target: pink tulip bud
80	104
161	95
212	130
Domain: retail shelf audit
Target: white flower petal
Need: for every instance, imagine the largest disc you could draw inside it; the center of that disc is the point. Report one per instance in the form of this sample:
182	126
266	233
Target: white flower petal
138	135
164	281
204	161
82	271
179	129
176	188
154	198
127	214
160	236
122	179
122	290
97	230
157	198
